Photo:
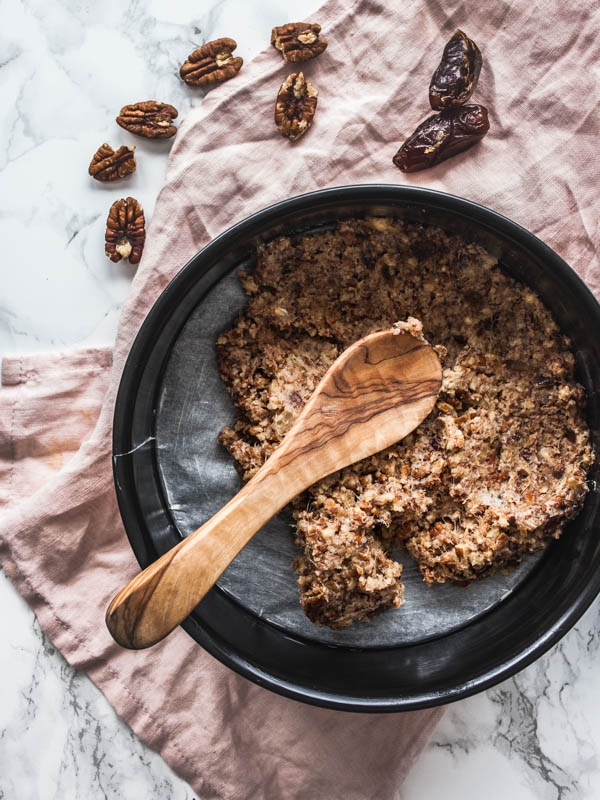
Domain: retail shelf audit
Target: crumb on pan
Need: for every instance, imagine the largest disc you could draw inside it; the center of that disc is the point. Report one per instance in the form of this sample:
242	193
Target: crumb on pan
493	473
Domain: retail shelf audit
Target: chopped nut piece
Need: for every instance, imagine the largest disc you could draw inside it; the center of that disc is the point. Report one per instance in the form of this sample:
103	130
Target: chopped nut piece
380	223
298	41
211	63
149	119
125	231
295	107
109	165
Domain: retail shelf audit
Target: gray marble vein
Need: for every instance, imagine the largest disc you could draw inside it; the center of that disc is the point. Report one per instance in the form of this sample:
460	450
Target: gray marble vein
59	737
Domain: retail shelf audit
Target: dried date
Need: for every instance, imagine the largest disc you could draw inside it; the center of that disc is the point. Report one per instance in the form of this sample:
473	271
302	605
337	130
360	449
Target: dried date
441	136
456	77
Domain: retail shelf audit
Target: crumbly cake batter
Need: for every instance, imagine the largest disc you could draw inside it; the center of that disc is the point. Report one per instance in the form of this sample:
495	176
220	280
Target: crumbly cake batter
493	473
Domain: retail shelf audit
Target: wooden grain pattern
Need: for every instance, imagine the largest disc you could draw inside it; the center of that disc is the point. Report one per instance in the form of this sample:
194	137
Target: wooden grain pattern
375	393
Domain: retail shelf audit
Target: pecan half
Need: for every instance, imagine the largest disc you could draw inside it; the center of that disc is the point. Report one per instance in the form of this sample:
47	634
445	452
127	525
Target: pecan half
298	41
295	107
125	231
149	118
442	136
211	63
456	77
109	165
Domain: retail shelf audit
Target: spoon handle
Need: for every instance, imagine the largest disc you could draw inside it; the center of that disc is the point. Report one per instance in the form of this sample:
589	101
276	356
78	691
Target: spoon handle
162	596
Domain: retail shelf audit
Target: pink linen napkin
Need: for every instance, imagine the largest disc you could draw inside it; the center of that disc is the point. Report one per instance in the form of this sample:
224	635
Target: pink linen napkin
61	539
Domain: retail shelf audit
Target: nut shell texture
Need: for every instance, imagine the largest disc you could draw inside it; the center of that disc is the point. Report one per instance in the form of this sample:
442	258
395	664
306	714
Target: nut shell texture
125	231
211	63
110	165
150	119
295	107
298	41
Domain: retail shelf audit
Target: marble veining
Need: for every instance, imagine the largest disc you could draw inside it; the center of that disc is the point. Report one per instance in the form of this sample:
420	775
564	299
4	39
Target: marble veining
536	735
66	68
59	737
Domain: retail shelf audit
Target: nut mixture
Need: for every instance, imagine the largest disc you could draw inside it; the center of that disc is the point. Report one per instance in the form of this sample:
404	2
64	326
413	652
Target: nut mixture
493	473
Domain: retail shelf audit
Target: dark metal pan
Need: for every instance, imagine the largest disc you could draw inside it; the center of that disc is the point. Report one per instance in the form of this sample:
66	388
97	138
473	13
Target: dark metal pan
454	663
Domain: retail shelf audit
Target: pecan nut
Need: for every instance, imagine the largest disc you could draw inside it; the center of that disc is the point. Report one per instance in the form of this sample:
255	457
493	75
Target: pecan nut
441	136
211	63
298	41
456	77
109	165
125	231
295	107
149	118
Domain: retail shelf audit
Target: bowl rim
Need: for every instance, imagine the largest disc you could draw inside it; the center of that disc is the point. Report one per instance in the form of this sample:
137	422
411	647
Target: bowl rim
131	512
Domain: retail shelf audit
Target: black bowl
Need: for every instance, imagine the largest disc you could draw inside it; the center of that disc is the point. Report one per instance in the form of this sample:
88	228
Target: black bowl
489	649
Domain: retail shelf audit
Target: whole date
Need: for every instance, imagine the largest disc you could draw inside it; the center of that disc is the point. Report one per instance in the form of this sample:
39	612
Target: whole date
441	136
456	76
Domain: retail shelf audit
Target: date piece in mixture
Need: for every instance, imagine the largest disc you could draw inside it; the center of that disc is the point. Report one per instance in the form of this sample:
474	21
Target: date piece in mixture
493	473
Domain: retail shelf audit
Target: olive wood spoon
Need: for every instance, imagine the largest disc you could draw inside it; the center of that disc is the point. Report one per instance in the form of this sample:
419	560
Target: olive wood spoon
373	395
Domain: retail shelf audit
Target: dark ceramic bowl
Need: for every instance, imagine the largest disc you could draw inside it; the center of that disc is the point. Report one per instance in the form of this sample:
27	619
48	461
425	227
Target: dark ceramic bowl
489	649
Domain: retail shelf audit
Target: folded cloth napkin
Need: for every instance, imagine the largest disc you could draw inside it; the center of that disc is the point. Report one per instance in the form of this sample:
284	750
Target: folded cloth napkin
61	539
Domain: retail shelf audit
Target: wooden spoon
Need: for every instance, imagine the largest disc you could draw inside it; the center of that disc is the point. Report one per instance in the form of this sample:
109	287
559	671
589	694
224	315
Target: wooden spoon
373	395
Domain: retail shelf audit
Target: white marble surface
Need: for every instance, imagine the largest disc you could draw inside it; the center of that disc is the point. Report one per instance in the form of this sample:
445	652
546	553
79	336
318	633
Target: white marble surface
66	67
